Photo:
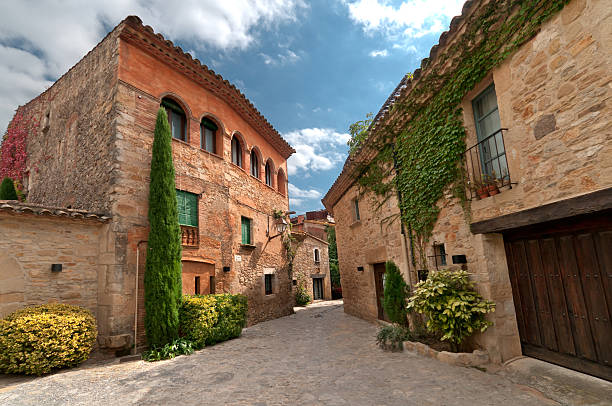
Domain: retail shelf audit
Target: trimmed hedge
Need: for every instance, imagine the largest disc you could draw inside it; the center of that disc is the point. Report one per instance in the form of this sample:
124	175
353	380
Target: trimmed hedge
36	340
209	319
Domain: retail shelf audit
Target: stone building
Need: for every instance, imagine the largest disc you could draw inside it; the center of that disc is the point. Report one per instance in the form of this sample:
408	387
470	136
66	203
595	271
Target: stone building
313	222
540	248
91	151
311	265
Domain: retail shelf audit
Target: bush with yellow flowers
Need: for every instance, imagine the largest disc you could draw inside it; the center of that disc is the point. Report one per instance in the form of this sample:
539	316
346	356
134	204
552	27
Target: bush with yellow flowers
36	340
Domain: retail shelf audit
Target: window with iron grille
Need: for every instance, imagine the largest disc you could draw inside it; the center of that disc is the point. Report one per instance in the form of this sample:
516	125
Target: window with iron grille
439	257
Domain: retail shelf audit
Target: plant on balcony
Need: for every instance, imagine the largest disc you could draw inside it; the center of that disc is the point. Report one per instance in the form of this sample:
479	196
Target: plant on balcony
162	280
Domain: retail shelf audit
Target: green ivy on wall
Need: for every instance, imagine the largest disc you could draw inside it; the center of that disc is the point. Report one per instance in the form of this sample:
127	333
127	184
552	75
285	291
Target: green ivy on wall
421	144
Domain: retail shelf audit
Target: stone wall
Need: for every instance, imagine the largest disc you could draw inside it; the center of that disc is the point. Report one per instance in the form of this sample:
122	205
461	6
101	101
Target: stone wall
554	97
30	243
304	265
363	243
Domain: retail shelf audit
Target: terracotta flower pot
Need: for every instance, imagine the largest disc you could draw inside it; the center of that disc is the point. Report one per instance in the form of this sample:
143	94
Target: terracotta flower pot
493	190
483	192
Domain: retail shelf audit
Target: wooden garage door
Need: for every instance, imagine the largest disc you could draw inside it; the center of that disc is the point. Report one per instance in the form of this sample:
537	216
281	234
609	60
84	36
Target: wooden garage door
561	275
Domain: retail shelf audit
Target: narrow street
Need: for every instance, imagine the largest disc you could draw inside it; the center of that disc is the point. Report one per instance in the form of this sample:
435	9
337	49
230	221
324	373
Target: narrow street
319	356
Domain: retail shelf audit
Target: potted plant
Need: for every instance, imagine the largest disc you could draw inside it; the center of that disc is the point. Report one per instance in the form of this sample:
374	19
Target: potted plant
490	181
480	189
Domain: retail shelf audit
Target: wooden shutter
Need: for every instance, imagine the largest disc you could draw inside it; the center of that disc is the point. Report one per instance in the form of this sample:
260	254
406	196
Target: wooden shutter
246	230
187	208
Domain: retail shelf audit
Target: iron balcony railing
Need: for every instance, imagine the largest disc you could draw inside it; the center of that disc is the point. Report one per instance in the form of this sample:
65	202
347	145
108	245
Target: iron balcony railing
486	167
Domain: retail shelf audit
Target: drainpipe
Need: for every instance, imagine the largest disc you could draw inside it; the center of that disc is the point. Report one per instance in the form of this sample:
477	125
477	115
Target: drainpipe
402	228
136	296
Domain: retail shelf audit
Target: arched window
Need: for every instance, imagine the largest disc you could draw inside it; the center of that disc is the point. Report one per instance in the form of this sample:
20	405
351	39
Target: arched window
208	135
317	256
281	182
254	163
269	171
176	118
236	151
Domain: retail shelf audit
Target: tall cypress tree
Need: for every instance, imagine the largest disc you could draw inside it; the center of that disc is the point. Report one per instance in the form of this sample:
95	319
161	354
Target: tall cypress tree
395	294
7	190
163	284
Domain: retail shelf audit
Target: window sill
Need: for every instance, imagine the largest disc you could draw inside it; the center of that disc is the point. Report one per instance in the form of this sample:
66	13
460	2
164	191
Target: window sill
355	223
248	246
211	153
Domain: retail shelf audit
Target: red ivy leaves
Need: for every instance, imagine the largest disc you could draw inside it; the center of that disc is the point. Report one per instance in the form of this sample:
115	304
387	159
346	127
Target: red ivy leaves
13	154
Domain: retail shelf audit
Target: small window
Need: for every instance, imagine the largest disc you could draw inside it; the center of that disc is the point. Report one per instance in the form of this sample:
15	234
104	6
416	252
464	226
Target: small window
268	174
356	210
236	152
295	282
176	118
208	135
187	208
246	231
254	164
268	282
317	256
197	285
439	255
489	134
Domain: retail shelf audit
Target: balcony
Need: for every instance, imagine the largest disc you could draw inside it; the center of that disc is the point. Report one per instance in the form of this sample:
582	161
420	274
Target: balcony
486	167
190	236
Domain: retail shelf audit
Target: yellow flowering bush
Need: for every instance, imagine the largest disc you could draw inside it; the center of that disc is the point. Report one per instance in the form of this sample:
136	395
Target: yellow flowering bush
36	340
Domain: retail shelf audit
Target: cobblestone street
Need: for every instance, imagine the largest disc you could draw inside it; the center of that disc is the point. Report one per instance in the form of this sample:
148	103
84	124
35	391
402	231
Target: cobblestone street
319	356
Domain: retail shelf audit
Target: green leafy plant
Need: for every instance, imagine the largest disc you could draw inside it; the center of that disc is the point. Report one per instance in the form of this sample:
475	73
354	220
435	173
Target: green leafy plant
177	347
7	190
37	340
391	337
452	307
209	319
302	298
395	295
359	132
162	280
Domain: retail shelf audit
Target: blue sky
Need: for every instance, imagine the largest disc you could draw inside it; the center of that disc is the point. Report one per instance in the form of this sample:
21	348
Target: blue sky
312	68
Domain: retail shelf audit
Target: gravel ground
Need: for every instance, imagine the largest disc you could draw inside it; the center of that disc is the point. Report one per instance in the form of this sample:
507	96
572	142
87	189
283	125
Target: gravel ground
318	356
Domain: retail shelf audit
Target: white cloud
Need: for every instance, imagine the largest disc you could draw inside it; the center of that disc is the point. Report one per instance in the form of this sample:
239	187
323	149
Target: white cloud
288	57
299	198
41	40
381	53
411	19
317	149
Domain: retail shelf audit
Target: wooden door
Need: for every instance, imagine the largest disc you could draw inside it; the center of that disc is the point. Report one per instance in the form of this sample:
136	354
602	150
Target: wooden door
317	288
379	282
561	276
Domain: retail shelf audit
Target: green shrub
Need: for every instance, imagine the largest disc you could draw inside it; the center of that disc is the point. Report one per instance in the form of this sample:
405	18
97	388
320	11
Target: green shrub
452	306
209	319
178	347
39	339
162	279
391	337
395	295
302	298
7	190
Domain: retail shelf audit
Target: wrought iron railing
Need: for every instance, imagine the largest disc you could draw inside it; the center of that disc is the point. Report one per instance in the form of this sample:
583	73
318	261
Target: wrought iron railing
190	236
486	167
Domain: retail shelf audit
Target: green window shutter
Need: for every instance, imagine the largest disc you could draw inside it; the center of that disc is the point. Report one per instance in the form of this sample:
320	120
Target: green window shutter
187	208
246	230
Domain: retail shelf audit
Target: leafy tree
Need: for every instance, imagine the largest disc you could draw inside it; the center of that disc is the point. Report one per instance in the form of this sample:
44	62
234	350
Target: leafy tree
163	284
359	132
7	190
332	250
395	295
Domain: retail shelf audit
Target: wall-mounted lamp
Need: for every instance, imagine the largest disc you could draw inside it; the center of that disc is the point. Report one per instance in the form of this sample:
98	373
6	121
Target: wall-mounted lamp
56	267
281	225
226	269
